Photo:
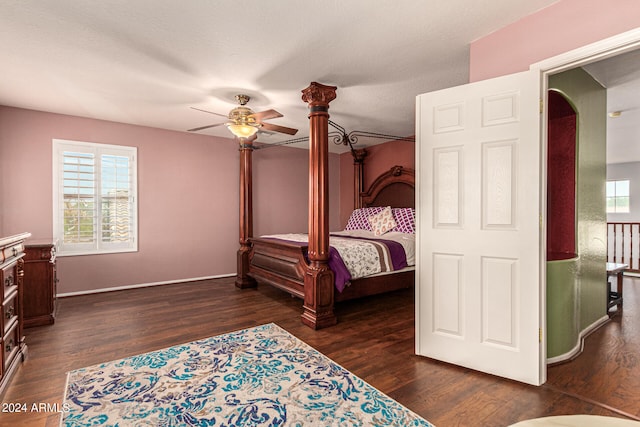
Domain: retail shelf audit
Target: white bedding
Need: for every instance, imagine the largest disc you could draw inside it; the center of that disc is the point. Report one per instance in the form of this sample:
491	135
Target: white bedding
408	241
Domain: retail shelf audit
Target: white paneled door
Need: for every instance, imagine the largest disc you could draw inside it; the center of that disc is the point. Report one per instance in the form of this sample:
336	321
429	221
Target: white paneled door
478	277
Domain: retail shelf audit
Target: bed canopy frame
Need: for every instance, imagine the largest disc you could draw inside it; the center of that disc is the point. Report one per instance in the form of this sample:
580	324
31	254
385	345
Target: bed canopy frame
304	272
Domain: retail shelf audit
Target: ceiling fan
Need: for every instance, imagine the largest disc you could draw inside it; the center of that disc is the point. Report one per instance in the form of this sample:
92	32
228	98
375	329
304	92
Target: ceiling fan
244	123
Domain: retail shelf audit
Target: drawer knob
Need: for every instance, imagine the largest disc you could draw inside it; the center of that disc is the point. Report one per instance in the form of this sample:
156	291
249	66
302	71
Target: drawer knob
10	312
8	281
8	347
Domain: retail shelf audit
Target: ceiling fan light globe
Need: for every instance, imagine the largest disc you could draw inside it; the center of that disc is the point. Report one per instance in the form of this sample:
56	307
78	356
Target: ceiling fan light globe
242	130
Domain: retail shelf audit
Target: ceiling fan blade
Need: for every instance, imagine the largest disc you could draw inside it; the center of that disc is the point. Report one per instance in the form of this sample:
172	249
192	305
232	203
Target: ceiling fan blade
204	127
210	112
277	128
265	115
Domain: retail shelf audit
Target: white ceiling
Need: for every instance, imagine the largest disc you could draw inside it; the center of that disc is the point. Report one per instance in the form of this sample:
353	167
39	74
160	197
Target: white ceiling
146	62
621	76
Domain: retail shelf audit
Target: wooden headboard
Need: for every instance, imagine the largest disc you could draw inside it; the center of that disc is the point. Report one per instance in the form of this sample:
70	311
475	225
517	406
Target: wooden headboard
395	188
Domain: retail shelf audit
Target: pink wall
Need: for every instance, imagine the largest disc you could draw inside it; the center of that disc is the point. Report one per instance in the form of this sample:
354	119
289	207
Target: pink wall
188	197
281	188
380	158
559	28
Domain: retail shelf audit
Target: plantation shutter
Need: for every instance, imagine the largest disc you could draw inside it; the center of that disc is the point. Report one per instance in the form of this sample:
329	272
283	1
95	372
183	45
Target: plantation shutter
94	198
79	198
117	200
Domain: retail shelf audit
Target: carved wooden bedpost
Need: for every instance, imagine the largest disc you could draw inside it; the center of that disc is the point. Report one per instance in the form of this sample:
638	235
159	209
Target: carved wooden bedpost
319	279
358	175
246	214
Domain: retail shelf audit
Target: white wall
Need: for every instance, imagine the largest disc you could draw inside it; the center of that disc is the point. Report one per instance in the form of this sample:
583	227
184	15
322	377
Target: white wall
630	171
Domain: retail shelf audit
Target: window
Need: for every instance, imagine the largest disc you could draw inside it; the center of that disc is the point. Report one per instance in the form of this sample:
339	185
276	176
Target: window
618	196
94	198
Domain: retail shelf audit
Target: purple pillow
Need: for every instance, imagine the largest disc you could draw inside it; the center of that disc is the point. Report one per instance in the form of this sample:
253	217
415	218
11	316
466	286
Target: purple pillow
359	219
405	220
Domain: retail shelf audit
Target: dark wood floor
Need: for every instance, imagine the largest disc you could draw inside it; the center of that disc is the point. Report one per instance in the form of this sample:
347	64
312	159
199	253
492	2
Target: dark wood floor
374	339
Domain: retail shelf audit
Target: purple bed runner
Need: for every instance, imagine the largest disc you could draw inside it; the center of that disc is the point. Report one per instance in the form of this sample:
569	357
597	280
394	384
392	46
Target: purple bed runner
341	274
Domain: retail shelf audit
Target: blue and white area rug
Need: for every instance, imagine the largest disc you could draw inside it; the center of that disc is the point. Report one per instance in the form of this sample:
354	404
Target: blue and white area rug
262	376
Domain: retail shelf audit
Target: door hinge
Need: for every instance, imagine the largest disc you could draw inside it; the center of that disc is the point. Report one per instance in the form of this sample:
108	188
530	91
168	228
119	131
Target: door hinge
541	105
540	334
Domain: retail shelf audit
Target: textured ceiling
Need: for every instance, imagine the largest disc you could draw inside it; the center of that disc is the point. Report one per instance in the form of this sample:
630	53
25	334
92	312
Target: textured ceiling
146	62
621	76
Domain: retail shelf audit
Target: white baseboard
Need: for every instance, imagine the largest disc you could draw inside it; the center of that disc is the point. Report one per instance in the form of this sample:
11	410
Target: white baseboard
580	344
141	285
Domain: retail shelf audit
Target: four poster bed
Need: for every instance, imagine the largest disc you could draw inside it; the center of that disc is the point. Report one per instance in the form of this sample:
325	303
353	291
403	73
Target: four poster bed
282	263
374	254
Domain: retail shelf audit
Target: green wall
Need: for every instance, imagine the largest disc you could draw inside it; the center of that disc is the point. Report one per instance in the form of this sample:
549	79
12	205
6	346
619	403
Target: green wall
588	299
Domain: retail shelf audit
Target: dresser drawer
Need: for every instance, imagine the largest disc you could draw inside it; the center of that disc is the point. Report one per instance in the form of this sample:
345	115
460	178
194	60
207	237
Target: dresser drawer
11	345
13	250
9	312
9	279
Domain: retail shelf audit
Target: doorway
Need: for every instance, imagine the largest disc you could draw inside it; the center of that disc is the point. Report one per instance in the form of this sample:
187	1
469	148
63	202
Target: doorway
613	64
576	222
446	281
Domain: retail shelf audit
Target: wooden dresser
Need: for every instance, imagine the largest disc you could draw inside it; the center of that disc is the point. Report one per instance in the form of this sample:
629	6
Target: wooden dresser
14	348
40	282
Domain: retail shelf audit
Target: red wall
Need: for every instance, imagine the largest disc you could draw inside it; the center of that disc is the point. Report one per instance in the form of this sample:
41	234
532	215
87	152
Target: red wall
561	179
380	159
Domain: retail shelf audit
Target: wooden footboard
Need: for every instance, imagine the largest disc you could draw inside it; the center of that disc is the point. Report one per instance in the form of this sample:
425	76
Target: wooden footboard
279	263
374	285
283	264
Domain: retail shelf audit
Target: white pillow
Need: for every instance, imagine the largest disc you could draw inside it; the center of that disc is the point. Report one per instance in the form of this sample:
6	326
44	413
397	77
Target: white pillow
382	222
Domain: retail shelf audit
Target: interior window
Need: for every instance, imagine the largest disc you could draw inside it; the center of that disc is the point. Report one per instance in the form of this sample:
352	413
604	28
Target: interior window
618	196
